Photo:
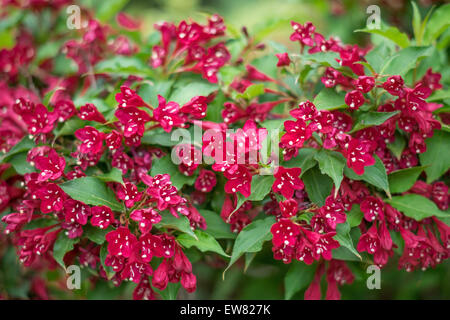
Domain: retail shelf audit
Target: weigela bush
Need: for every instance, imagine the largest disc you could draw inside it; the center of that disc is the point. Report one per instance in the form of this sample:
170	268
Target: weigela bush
336	154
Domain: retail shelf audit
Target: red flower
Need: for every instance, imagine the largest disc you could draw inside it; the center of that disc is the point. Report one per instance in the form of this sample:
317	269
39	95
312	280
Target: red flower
52	167
303	33
372	208
64	109
133	121
238	181
146	218
102	216
287	181
129	98
40	120
76	211
369	241
162	191
283	59
394	85
359	155
52	198
113	140
92	140
364	83
189	281
333	212
196	107
289	208
205	181
121	242
129	193
168	114
285	233
89	112
354	99
297	132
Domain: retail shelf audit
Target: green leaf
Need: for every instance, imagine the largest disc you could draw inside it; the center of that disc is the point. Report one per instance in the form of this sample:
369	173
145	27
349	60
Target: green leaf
391	33
106	10
354	216
23	145
180	224
91	191
204	242
375	175
304	160
171	291
437	24
372	118
405	60
20	163
318	186
40	223
298	277
327	59
149	90
62	245
402	180
416	207
103	253
251	238
437	156
416	22
123	66
95	234
329	99
261	186
69	127
397	146
159	137
185	90
343	237
215	226
115	175
439	95
165	165
377	56
251	92
332	164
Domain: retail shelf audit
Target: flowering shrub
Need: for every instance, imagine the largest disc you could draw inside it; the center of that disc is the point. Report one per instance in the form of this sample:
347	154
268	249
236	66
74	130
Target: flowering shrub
335	155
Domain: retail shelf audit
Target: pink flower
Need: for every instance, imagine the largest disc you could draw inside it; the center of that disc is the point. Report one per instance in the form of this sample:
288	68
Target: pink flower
129	193
249	138
76	211
354	99
333	212
40	120
287	181
160	277
168	114
303	33
146	218
113	140
92	140
289	208
65	110
144	290
205	181
52	198
102	216
163	192
129	98
359	155
127	22
283	59
364	83
52	167
133	120
372	208
285	233
238	181
121	242
188	281
297	132
89	112
196	107
394	85
369	241
134	270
